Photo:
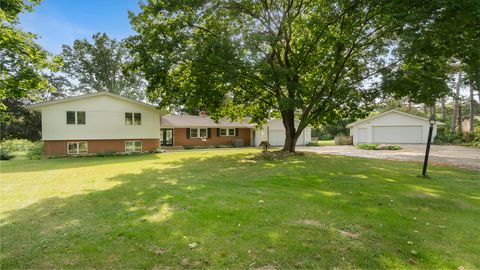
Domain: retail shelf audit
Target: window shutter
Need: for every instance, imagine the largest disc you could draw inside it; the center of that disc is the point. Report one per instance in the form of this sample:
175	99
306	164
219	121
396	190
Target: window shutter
188	133
237	132
218	132
209	133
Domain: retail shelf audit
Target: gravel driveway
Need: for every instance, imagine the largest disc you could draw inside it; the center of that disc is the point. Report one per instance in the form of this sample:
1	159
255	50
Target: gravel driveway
457	156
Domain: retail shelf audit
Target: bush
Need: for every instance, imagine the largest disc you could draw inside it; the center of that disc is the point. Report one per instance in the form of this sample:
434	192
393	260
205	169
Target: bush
325	137
17	145
274	155
390	147
36	151
371	146
447	138
5	154
468	137
188	146
311	144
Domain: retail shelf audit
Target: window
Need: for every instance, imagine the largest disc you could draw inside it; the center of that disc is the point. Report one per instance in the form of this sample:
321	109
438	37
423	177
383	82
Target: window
75	148
78	118
81	118
198	132
133	146
133	119
227	132
70	118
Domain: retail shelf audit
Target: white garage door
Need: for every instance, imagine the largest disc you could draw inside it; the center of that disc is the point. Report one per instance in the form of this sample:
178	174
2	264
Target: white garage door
397	134
277	138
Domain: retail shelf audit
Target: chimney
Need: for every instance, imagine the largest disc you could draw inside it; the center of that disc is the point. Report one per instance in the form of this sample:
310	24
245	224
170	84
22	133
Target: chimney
202	114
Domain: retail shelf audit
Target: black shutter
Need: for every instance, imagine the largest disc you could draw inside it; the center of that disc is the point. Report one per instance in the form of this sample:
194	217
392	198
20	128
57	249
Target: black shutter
209	133
218	132
237	132
188	133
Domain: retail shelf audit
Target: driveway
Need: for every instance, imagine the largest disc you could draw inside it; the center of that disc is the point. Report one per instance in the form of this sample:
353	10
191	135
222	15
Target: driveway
457	156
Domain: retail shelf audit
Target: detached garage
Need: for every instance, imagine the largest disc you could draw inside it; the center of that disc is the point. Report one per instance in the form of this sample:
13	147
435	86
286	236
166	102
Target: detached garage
392	127
274	133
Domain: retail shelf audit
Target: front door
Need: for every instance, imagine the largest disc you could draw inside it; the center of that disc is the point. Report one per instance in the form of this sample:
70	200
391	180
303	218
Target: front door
166	137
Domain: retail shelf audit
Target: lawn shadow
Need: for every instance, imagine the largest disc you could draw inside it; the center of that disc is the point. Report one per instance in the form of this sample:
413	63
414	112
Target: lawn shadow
236	210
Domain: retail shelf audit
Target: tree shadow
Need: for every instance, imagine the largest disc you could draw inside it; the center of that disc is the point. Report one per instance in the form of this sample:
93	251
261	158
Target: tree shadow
240	213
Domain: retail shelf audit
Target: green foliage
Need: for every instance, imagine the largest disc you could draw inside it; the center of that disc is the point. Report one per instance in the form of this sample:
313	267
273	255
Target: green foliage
35	151
17	145
390	147
309	60
371	146
5	153
19	122
99	66
22	61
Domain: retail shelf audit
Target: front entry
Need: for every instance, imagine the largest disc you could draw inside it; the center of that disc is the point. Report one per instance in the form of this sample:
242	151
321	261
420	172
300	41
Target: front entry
166	137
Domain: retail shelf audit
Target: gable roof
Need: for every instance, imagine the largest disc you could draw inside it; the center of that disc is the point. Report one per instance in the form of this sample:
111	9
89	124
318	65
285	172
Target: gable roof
185	121
58	101
389	112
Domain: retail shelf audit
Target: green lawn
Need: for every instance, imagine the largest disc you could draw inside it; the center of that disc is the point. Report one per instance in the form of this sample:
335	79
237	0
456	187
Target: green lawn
304	212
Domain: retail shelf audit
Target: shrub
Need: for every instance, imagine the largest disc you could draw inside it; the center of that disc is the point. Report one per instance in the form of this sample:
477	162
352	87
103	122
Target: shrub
468	137
36	151
5	154
188	146
326	137
390	147
367	146
17	145
223	146
312	144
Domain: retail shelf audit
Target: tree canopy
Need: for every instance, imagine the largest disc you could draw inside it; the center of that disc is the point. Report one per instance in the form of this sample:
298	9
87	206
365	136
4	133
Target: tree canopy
316	61
99	66
23	63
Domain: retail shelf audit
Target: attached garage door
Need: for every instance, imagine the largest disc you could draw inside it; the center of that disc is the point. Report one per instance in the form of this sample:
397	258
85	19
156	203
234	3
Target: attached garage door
277	137
397	134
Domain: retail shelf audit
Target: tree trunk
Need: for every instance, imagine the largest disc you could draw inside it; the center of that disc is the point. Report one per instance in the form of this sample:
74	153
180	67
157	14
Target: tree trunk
290	132
456	98
459	120
472	109
443	108
288	118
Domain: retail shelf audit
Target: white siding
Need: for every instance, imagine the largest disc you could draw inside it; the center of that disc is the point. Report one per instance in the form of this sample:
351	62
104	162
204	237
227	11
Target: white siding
105	119
403	125
274	132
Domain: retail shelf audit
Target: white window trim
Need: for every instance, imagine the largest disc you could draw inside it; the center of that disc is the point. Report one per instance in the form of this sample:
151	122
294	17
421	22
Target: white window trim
76	117
134	141
133	118
198	133
78	148
227	132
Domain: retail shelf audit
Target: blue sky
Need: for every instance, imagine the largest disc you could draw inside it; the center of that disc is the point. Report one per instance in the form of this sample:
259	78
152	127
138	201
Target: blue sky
59	22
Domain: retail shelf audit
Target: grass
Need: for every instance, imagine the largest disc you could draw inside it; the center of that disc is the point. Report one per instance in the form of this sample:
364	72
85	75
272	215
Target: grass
307	211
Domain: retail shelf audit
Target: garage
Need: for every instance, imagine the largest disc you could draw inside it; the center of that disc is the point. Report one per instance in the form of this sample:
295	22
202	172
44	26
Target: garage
392	127
397	134
274	133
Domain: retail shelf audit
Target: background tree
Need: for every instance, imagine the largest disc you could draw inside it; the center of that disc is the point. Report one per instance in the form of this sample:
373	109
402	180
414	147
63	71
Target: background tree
310	60
99	66
22	61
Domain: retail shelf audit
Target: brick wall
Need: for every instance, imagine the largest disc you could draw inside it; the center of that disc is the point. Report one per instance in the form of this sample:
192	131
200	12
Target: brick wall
97	146
180	138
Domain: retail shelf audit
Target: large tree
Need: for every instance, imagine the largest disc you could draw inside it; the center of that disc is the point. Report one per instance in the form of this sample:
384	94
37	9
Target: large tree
99	66
23	63
315	61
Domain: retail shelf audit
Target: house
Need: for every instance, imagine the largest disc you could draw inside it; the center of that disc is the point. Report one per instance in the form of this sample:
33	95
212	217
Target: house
105	122
392	127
